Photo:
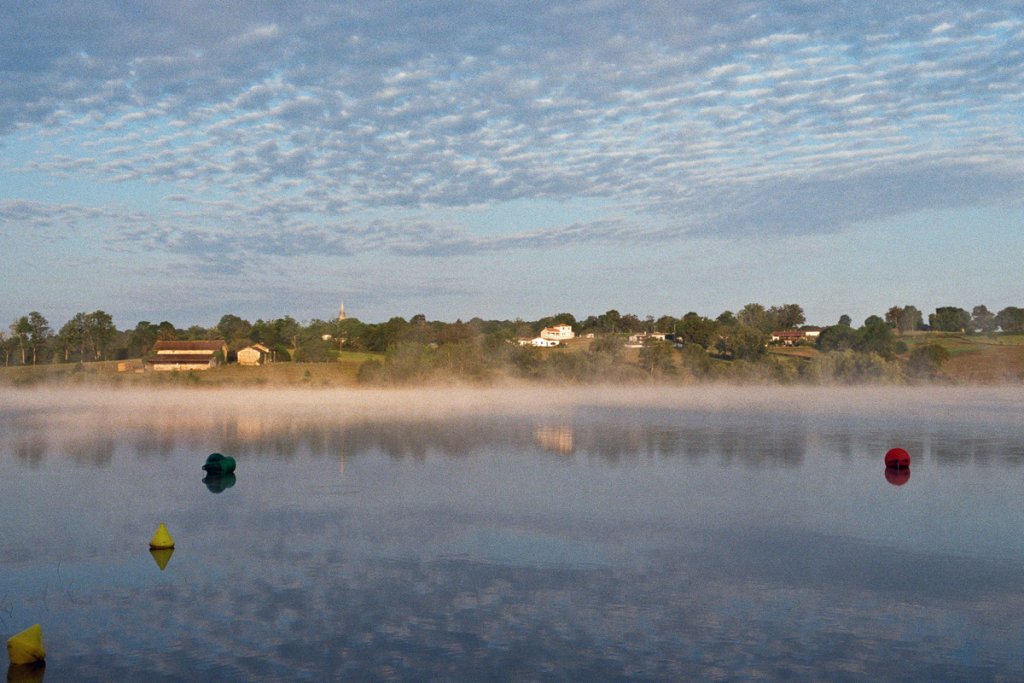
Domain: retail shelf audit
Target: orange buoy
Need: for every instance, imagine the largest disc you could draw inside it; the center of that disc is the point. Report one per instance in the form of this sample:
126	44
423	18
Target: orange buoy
897	457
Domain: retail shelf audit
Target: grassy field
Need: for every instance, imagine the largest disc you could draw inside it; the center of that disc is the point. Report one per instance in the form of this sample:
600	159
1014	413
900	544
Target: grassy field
342	372
977	359
974	359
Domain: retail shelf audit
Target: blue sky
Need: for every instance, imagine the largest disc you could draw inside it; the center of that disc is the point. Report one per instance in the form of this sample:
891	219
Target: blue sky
178	161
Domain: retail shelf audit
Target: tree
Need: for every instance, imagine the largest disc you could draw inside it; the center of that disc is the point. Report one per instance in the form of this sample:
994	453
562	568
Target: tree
787	316
949	319
656	357
741	342
696	329
904	318
100	332
632	324
845	320
983	320
165	331
927	360
695	359
234	330
6	348
314	347
610	321
610	345
665	323
19	330
39	334
350	333
69	338
755	315
287	331
199	333
837	337
142	339
557	319
875	337
1011	319
726	318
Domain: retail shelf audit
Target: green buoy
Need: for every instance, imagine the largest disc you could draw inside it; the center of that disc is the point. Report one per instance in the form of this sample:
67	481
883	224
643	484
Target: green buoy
219	464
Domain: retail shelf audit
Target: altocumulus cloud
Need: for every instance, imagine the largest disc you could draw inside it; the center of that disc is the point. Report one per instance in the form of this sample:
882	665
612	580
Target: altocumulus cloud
305	118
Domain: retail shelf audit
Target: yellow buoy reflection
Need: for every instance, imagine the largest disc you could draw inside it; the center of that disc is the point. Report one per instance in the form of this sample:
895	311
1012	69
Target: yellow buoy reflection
26	673
162	556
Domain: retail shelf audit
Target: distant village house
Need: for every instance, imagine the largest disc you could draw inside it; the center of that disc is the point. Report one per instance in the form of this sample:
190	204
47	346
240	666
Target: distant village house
636	341
544	343
550	337
557	333
256	354
169	356
793	337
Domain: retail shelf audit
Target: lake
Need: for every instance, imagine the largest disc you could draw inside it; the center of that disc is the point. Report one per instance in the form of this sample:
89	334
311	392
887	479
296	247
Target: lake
516	534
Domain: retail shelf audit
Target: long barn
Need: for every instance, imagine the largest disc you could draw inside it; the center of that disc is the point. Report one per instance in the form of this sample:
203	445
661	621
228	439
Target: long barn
187	355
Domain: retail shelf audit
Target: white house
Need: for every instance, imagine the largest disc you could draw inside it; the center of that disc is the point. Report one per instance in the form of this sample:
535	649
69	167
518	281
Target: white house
641	337
557	333
544	343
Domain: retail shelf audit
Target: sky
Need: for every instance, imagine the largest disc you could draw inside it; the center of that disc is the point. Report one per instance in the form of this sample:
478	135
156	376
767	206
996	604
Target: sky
184	160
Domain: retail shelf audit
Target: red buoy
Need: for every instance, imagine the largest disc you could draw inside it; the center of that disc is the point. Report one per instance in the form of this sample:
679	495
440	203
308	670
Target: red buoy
897	457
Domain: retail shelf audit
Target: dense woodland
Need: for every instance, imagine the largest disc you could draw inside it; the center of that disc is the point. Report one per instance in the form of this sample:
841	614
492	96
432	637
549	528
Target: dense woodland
731	346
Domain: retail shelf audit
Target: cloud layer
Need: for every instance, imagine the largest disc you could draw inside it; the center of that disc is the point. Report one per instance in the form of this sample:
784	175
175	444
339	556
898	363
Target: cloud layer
339	129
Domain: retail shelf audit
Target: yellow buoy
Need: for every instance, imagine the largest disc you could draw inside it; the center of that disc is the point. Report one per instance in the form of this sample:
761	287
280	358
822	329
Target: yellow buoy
27	647
161	539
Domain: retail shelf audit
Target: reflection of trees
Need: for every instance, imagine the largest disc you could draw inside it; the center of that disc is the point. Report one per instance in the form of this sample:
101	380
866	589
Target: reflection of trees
30	450
611	435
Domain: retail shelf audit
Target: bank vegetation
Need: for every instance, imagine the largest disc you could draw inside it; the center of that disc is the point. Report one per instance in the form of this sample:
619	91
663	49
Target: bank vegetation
900	348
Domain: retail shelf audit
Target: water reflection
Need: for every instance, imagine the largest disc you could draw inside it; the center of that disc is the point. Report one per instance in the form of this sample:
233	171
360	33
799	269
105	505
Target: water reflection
161	556
26	673
897	476
750	441
217	483
604	543
558	439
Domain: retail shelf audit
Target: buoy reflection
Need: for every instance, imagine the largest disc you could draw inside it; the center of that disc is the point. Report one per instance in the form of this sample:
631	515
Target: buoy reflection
26	673
897	476
218	482
162	556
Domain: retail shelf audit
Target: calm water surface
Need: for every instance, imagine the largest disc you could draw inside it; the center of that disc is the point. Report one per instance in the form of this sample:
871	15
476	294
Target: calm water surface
585	541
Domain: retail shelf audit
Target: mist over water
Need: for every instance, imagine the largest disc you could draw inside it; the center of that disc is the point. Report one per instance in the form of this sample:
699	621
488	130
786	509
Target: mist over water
526	533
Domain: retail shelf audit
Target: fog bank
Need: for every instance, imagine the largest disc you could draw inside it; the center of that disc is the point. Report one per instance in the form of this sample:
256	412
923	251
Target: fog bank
132	406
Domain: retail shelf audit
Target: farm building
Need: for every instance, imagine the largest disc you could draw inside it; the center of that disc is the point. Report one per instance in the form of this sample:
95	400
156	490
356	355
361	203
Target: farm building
257	354
169	356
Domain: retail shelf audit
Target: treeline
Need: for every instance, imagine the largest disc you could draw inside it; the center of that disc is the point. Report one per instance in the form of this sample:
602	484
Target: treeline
729	347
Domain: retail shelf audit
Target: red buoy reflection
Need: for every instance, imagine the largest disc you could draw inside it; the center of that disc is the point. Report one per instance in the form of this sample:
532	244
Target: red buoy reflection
897	476
897	457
